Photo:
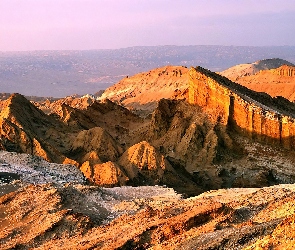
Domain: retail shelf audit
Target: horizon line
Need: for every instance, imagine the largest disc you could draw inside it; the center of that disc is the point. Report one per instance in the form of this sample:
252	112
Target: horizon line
141	46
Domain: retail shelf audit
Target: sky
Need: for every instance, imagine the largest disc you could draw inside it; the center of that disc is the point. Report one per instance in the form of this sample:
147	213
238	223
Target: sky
111	24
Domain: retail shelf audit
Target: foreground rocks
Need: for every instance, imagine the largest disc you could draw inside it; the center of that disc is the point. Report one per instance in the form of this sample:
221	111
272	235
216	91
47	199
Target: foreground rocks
49	206
40	209
80	217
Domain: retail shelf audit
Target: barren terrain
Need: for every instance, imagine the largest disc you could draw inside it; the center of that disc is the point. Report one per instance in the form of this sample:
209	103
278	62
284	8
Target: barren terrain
59	215
209	167
273	76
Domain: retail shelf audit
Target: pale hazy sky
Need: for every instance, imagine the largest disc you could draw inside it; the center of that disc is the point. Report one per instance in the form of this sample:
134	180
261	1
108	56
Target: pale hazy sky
103	24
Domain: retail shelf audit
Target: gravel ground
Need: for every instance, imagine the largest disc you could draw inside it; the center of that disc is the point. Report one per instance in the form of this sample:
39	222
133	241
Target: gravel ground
35	170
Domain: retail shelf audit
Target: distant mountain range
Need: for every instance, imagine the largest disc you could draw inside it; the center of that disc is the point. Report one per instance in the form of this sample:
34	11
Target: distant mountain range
63	73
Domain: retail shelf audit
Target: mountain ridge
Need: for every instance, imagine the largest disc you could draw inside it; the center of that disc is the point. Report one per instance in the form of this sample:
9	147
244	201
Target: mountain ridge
242	70
258	114
276	78
144	90
216	136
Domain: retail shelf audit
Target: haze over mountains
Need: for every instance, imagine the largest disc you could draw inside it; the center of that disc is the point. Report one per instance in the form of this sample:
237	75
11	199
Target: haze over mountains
63	73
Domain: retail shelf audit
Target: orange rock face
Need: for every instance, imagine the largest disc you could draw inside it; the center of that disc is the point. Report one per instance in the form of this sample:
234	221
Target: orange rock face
144	90
256	115
275	82
23	128
79	217
106	174
284	71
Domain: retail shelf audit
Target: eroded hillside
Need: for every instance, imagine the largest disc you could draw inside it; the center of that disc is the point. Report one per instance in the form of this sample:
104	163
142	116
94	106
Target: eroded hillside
277	78
88	217
242	70
215	135
144	90
191	146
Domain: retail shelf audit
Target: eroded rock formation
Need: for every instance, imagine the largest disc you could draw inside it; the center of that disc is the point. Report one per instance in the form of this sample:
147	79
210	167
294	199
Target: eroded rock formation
284	71
107	174
85	217
202	144
254	114
144	90
278	81
24	127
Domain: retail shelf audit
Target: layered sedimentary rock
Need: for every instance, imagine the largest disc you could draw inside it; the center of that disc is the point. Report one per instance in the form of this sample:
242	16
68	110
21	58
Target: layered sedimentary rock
243	70
87	217
279	81
284	71
254	114
144	90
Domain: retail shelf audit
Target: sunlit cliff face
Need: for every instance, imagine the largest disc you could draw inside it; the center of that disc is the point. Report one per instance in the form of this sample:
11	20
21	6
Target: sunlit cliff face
255	115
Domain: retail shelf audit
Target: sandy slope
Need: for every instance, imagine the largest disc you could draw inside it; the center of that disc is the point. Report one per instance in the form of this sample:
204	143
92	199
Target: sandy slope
272	76
143	90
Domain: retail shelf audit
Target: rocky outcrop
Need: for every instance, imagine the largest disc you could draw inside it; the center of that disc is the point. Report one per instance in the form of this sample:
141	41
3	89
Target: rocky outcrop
23	128
55	106
144	90
64	138
107	174
115	119
256	115
284	71
88	217
145	165
279	81
183	132
95	141
142	159
240	71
